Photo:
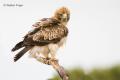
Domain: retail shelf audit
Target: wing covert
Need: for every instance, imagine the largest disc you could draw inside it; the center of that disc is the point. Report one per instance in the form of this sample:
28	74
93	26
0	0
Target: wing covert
51	33
47	31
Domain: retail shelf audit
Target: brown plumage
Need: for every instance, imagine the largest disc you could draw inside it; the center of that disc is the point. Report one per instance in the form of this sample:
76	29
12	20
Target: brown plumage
46	32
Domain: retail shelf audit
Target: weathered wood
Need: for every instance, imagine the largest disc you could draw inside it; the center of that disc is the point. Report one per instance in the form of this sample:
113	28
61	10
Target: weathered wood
61	71
54	63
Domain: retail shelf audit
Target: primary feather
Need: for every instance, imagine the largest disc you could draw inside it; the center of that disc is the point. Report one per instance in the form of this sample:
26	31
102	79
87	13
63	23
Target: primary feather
18	46
21	53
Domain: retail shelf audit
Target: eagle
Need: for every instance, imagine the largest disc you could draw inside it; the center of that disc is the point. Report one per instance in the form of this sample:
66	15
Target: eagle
46	37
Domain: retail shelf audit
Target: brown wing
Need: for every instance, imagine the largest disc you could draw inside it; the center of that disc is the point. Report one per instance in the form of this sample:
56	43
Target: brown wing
50	31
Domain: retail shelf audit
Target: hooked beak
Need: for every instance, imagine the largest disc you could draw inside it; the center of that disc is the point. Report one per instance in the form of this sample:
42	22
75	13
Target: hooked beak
64	16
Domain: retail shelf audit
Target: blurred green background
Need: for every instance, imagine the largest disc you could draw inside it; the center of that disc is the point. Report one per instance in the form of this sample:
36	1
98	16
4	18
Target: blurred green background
111	73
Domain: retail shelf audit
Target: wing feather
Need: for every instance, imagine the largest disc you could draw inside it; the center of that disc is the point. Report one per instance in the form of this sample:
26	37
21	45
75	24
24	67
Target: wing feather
49	30
51	33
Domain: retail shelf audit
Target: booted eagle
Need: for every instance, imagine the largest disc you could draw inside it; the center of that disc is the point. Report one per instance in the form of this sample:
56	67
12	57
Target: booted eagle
47	36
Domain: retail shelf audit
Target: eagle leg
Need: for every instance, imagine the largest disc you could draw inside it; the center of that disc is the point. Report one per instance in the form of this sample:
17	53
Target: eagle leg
53	56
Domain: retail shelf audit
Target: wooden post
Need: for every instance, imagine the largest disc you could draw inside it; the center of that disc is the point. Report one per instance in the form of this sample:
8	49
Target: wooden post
54	63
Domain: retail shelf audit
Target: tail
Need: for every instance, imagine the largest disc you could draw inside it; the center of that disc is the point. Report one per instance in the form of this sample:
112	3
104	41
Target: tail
21	53
18	46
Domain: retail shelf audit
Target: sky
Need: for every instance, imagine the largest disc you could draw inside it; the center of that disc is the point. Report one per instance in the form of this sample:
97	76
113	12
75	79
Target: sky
93	40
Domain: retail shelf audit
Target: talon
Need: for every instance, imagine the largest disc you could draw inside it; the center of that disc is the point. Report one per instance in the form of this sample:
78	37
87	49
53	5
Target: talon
47	61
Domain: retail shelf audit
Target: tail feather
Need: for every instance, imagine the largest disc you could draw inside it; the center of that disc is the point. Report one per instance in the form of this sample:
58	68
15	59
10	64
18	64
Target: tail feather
18	46
21	53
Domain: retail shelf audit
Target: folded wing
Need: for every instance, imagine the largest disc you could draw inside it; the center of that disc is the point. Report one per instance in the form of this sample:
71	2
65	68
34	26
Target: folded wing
46	31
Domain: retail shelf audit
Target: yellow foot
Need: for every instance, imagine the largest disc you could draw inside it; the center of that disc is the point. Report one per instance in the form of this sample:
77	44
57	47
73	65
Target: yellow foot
46	61
49	60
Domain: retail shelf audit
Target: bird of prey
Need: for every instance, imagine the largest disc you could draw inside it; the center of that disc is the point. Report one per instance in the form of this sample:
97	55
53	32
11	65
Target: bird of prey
47	36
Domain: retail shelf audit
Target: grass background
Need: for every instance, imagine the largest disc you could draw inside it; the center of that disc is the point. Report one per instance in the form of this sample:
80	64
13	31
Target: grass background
77	73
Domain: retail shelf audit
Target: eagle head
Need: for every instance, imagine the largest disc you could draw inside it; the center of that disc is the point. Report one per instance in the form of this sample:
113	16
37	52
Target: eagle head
62	14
